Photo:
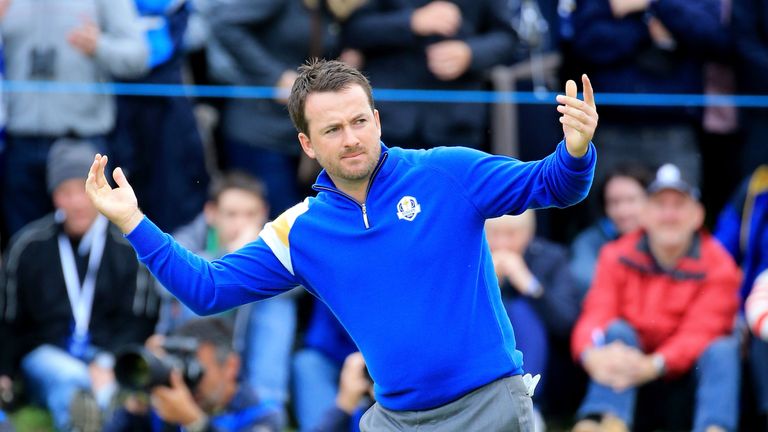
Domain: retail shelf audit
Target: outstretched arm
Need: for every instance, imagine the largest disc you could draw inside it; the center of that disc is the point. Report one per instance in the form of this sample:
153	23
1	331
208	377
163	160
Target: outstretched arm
251	273
579	118
119	205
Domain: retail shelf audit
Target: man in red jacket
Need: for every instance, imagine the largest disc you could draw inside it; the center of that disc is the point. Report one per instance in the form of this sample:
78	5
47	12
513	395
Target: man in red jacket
658	317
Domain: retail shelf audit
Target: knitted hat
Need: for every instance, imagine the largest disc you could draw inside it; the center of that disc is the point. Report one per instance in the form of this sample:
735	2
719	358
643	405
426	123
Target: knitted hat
69	158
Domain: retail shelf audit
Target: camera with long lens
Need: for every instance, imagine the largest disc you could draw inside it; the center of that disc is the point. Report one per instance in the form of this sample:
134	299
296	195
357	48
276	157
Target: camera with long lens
138	369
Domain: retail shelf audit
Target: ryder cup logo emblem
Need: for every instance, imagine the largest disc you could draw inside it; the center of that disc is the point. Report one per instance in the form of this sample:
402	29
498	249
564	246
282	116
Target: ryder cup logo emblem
408	208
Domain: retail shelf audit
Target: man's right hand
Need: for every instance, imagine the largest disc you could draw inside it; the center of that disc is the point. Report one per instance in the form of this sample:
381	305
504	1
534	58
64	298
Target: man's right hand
440	18
176	404
353	383
608	364
4	5
119	205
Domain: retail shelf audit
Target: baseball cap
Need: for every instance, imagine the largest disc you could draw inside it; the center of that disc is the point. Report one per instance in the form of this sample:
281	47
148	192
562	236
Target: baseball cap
669	176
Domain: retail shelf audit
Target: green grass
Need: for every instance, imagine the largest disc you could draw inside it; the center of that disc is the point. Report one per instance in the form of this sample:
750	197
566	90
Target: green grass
31	419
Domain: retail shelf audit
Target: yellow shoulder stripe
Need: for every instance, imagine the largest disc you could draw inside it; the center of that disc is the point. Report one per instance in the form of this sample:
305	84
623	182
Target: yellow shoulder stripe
276	233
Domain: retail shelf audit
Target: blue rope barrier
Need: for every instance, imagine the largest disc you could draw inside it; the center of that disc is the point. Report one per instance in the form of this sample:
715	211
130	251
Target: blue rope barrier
390	95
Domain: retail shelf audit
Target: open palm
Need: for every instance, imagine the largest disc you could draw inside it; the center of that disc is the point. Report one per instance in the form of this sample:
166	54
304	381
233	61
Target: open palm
579	117
118	204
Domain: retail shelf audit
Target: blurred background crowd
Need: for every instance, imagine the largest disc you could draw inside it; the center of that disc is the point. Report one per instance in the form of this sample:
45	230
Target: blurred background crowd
643	307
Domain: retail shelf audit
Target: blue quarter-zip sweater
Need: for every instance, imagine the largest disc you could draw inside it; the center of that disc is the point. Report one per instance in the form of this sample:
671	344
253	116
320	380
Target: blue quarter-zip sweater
409	273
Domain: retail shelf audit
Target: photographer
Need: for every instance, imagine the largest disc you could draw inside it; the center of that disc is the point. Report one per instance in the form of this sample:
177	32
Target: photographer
353	398
217	402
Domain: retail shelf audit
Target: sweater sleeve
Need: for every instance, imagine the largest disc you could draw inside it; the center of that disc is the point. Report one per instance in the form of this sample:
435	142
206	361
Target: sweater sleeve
710	315
235	27
499	185
497	43
374	28
601	39
602	304
695	25
249	274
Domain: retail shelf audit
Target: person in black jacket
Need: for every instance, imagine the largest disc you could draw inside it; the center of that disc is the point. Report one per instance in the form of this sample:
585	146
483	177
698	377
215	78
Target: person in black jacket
750	28
649	46
71	293
261	43
435	45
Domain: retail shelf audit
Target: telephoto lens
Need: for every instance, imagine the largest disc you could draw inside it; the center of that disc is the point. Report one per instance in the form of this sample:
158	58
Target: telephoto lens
139	369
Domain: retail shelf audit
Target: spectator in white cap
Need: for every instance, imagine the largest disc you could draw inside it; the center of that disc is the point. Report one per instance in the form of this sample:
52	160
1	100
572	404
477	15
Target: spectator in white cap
657	322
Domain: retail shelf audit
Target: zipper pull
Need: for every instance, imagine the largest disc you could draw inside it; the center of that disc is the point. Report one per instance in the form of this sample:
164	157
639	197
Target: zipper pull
365	216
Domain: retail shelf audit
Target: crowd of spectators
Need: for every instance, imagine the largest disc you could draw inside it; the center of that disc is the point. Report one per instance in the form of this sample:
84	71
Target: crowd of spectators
630	307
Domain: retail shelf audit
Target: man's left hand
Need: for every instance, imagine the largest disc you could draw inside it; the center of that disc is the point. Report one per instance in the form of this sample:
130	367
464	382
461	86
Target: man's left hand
622	8
579	118
639	369
448	60
85	38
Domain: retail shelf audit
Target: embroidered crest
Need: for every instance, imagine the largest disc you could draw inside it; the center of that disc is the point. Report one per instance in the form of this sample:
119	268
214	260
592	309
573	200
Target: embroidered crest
408	208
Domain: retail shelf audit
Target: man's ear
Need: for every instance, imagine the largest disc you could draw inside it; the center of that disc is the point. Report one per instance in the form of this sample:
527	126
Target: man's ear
306	145
378	120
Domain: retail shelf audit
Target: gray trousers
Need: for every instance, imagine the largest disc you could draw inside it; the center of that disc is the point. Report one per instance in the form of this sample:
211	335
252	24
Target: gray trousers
503	405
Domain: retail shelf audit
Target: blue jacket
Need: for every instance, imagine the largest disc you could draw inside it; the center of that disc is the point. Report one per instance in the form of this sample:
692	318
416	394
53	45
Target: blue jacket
409	274
742	228
750	28
620	56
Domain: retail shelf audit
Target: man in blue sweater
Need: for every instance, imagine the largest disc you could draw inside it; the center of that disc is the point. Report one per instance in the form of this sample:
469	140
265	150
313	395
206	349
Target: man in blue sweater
394	244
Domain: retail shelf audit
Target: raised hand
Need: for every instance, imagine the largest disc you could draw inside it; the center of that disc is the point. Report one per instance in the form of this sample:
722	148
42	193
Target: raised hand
439	18
579	118
449	59
119	205
85	38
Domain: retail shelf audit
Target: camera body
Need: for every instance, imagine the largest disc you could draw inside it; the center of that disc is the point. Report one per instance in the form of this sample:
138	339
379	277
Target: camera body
138	369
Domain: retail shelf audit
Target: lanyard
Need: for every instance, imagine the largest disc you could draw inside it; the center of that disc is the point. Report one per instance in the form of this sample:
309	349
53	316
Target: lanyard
81	296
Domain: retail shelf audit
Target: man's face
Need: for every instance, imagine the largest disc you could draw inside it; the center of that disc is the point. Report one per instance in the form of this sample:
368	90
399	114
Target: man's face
508	234
237	210
344	134
213	392
624	200
671	218
70	197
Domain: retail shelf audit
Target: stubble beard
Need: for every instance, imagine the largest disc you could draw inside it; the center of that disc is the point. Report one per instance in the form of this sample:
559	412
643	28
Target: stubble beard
354	174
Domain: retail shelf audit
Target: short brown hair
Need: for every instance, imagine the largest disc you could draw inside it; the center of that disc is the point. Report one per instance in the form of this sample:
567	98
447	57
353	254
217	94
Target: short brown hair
236	180
320	75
